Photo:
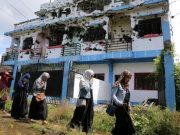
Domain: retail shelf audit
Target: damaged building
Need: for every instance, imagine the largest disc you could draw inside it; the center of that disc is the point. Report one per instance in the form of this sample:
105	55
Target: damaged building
107	36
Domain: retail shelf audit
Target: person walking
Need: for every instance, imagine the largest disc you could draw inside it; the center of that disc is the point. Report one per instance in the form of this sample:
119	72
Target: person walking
4	86
19	107
121	98
38	107
83	114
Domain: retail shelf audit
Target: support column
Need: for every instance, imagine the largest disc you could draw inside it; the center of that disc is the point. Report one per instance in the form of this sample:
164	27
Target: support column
169	82
111	77
13	81
168	66
67	66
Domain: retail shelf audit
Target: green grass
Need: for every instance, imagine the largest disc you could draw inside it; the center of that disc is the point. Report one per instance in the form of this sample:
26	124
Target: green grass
147	121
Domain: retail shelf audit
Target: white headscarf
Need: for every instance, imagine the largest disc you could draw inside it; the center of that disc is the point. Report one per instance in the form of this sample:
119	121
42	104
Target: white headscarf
86	81
88	74
45	74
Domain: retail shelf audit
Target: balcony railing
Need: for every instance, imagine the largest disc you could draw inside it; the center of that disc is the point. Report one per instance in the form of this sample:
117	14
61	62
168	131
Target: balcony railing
13	55
72	49
118	44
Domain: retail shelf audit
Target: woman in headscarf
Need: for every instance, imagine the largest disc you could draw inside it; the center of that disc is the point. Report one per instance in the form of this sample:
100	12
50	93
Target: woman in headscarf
83	114
38	106
20	104
4	86
121	98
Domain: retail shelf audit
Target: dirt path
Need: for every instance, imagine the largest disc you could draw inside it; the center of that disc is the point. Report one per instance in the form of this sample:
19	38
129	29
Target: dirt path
9	126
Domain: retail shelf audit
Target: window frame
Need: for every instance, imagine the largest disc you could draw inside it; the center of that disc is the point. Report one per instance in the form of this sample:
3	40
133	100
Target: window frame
155	87
26	45
101	74
147	27
95	34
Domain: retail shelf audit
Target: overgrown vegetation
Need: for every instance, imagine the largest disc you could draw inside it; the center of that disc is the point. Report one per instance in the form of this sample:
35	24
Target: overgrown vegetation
154	121
147	121
177	86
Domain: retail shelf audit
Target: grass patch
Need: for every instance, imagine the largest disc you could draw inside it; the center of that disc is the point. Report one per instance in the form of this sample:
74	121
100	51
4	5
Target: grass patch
147	121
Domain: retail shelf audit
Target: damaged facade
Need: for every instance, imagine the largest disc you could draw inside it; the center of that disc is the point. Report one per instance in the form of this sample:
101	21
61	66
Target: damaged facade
107	36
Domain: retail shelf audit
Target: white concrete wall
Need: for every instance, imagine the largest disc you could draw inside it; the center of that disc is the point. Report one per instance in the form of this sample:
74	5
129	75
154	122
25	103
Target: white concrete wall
137	95
155	43
140	44
101	89
120	26
27	35
22	54
101	68
97	47
97	68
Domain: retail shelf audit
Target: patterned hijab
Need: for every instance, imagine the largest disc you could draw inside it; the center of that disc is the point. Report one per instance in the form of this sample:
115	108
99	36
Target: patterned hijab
44	75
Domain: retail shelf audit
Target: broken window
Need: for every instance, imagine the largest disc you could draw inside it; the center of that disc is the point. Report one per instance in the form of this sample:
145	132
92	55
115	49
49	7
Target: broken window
56	36
145	81
150	26
27	43
94	34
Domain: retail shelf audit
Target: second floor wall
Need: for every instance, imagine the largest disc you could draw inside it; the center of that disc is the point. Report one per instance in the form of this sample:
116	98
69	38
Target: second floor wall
139	30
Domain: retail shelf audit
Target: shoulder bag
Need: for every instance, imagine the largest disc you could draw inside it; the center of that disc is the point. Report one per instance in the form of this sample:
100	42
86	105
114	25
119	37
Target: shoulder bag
111	109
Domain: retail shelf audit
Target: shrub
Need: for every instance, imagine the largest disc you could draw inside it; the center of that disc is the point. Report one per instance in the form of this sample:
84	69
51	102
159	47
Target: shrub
103	122
8	105
177	86
60	114
154	121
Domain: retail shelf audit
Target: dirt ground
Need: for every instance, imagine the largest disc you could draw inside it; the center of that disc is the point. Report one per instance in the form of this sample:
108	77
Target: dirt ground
9	126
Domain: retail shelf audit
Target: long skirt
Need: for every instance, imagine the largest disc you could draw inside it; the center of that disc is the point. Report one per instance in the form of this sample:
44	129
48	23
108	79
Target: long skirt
123	125
38	110
83	117
20	105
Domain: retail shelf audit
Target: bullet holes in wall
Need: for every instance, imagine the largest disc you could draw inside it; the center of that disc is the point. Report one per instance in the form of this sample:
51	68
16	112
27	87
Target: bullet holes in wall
60	12
56	36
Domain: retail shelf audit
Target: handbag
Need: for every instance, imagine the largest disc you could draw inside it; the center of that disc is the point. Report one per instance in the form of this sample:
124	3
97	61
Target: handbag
111	109
40	97
81	102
